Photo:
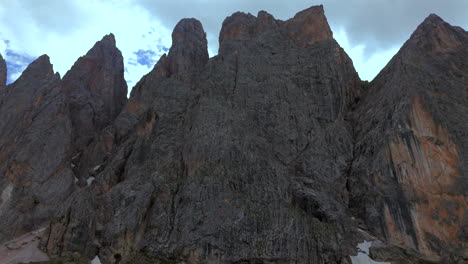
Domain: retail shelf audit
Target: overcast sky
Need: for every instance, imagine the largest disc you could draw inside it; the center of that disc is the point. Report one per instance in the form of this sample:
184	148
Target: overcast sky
371	31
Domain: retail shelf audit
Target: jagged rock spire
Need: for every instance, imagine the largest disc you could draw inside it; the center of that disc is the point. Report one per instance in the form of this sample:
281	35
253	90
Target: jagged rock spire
308	26
189	50
97	88
305	28
100	72
435	35
39	69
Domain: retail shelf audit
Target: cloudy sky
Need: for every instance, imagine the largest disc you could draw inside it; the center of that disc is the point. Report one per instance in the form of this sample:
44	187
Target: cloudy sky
371	31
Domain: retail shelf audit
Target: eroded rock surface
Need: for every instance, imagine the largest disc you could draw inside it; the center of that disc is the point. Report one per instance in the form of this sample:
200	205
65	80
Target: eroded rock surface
96	89
409	178
44	122
304	29
273	151
214	164
35	135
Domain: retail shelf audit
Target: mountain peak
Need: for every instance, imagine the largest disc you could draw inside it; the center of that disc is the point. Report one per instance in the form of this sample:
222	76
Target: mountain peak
103	48
108	39
305	28
189	48
437	36
433	19
96	80
309	26
39	69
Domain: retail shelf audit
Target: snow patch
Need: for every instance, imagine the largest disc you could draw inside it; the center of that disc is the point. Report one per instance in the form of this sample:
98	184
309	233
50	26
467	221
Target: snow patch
90	180
363	254
96	260
96	168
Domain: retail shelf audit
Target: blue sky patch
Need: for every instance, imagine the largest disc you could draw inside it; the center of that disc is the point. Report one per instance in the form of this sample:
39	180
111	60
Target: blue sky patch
16	62
145	57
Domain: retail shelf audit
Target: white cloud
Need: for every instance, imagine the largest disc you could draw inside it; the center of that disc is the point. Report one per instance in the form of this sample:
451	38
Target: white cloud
78	26
369	31
366	66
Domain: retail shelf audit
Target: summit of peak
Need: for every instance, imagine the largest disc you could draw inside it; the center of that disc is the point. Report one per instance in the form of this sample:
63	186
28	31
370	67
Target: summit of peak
436	35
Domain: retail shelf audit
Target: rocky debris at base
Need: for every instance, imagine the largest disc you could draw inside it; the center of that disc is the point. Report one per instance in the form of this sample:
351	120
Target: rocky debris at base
23	249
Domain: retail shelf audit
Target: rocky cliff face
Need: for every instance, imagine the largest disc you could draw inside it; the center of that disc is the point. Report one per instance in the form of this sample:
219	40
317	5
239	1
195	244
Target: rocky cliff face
213	163
35	174
409	178
96	89
273	151
40	121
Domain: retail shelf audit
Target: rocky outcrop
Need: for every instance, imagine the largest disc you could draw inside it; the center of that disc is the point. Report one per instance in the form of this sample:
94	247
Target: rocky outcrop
44	123
409	176
308	26
189	48
96	89
214	164
273	151
3	72
304	29
35	135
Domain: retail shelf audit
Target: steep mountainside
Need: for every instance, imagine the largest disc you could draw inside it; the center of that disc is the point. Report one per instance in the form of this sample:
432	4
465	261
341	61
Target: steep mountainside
273	151
212	159
38	130
410	175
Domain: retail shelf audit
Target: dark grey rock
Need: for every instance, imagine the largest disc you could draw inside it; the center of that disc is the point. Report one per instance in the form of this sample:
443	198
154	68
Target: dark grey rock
243	160
273	151
96	89
44	123
409	176
35	135
3	72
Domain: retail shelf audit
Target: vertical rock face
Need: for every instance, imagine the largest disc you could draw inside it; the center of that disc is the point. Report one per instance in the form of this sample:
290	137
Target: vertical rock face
97	89
410	176
43	122
35	135
189	47
3	72
225	163
187	57
273	151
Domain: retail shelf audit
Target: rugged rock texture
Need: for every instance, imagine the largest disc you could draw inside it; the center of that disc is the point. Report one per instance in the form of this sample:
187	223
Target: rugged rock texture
225	163
3	72
44	121
35	135
409	178
304	29
96	89
273	151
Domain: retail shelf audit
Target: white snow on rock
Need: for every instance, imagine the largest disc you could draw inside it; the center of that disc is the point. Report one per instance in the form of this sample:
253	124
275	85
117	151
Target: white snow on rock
363	254
90	180
96	260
